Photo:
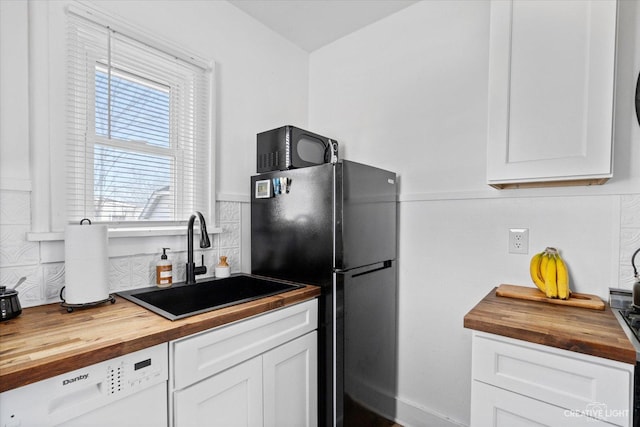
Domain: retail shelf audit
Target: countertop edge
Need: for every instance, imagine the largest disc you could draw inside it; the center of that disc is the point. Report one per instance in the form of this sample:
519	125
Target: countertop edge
621	353
27	372
613	353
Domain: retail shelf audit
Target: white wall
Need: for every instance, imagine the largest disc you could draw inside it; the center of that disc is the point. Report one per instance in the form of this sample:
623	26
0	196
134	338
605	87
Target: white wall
409	93
14	107
254	68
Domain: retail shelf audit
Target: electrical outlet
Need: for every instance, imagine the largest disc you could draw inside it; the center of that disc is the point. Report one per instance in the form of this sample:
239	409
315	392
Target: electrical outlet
518	240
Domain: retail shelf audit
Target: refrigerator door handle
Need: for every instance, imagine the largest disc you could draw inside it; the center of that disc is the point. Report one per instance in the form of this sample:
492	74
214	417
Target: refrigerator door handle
380	266
385	265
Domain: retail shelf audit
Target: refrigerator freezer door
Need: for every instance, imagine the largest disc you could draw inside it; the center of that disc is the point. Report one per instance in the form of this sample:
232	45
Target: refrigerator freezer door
291	232
366	212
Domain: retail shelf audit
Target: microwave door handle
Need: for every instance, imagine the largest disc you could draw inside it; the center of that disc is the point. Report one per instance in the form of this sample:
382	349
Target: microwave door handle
333	151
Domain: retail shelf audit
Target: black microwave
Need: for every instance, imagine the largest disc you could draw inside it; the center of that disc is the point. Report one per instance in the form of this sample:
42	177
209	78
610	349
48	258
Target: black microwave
289	147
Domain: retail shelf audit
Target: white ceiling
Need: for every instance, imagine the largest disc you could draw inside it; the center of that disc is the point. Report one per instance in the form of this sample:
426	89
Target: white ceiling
311	24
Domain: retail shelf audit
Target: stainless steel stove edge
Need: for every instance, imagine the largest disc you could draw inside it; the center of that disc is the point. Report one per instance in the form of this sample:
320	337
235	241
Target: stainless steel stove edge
620	300
627	331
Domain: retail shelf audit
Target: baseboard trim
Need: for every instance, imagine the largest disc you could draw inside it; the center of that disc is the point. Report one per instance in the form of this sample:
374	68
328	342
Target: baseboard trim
411	414
402	411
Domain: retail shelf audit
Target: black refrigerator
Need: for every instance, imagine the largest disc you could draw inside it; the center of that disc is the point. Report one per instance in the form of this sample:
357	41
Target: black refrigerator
334	225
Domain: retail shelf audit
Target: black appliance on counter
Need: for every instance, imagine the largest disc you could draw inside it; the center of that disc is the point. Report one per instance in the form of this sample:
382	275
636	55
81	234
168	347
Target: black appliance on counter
289	147
334	226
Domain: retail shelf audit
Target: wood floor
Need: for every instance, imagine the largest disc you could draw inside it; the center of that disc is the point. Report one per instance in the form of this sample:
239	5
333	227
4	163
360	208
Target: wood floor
358	416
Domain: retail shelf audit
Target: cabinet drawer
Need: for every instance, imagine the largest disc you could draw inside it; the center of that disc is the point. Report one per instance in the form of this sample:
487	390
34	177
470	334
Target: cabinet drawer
566	379
199	356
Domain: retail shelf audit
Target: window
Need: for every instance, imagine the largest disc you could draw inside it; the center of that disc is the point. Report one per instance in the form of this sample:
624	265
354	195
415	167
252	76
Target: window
139	140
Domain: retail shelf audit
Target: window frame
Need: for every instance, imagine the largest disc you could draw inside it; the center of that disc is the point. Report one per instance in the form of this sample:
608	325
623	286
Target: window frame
92	138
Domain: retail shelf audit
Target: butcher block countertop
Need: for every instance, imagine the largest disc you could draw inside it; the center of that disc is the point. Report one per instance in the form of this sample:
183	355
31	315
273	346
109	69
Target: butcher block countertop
582	330
46	341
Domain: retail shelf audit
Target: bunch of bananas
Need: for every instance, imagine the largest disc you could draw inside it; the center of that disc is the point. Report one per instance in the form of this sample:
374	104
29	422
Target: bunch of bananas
549	273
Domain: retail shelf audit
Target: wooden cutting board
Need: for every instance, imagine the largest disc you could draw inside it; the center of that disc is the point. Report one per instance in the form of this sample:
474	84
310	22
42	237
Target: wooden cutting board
533	294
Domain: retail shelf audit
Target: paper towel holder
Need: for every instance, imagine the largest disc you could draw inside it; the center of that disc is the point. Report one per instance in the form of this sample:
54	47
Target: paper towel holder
70	307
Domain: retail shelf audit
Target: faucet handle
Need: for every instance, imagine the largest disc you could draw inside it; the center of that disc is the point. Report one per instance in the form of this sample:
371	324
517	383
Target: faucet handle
201	269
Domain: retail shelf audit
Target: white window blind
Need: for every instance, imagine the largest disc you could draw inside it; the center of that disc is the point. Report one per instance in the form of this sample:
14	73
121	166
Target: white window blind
138	129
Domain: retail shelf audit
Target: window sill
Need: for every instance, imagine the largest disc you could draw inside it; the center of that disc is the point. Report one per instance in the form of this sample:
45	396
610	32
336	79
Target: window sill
123	232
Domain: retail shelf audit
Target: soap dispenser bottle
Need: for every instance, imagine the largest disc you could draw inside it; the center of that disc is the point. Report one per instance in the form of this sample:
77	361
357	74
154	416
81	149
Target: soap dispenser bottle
164	271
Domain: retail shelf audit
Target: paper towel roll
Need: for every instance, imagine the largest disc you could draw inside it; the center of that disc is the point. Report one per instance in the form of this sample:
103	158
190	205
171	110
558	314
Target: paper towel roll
86	258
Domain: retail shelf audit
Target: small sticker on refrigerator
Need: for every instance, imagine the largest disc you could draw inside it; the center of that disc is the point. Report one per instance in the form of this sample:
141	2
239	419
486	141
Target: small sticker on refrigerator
263	189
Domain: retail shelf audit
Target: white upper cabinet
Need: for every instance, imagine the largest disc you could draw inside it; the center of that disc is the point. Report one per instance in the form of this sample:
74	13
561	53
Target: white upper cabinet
551	92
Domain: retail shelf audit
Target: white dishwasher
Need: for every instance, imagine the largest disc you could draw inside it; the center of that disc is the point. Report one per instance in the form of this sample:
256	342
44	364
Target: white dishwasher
129	390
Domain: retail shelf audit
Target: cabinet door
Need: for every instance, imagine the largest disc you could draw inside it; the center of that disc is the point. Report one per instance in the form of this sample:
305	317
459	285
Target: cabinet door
494	407
290	384
230	398
551	89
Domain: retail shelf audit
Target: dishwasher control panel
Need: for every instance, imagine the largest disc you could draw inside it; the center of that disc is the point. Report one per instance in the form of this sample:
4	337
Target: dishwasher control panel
117	384
124	376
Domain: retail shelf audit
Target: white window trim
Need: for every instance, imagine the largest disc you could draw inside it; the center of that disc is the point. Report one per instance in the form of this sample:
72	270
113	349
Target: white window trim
124	232
47	129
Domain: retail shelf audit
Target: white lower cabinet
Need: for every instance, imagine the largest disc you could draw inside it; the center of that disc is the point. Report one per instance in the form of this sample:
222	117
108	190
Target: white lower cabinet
258	372
496	407
517	383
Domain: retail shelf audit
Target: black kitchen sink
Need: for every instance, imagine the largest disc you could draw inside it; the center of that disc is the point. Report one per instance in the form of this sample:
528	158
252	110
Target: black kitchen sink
180	300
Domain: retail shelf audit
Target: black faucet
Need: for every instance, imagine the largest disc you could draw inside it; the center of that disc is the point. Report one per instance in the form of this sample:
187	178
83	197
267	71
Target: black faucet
192	270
